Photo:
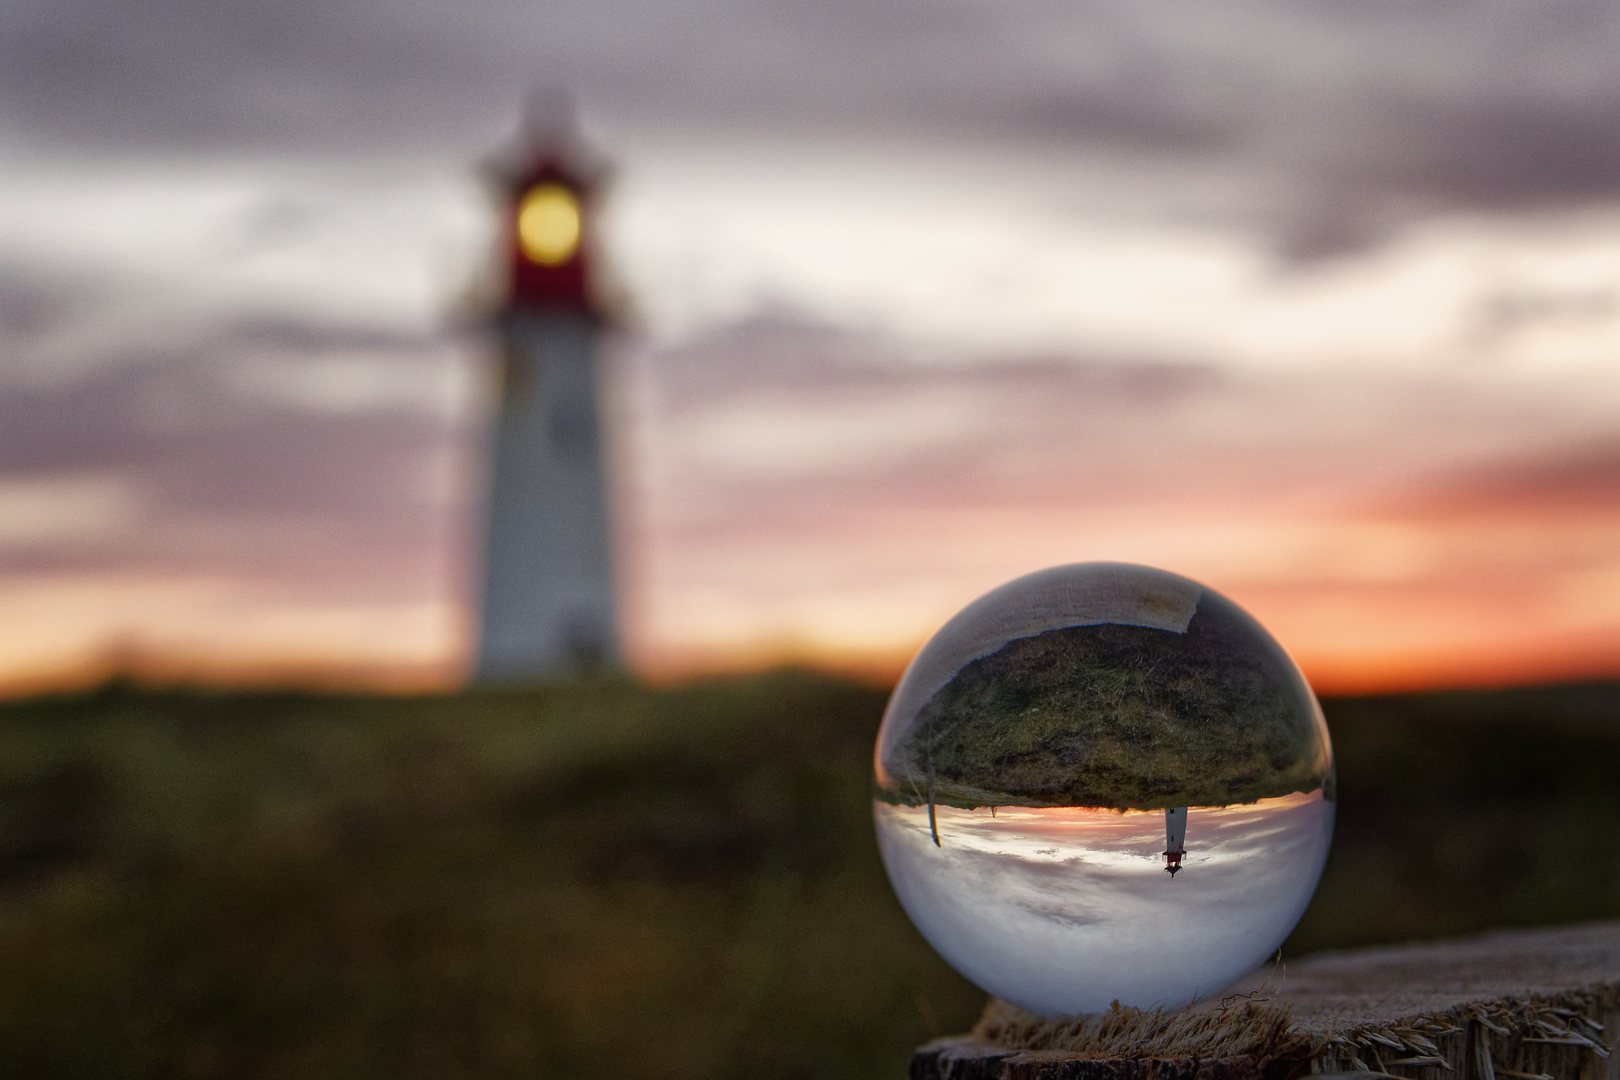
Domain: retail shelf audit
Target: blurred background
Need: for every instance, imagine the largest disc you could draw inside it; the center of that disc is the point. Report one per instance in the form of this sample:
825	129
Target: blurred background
1318	305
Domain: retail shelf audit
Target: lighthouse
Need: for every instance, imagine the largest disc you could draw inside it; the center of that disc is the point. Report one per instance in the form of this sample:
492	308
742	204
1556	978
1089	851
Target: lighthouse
1175	839
547	602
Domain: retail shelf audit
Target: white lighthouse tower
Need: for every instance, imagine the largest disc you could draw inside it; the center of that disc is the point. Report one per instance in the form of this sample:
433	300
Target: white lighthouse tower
1175	839
548	605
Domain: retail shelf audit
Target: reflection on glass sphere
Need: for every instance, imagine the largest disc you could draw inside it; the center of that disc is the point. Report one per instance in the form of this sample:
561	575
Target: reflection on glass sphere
1103	782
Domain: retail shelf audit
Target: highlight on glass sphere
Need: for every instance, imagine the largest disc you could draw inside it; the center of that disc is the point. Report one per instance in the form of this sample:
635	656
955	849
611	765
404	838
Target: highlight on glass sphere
1103	782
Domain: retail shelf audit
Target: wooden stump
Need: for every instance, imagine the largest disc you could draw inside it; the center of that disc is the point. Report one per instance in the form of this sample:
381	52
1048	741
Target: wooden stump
1526	1005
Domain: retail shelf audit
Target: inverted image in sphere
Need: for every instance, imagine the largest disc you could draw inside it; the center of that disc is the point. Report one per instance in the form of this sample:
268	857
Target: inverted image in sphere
1103	782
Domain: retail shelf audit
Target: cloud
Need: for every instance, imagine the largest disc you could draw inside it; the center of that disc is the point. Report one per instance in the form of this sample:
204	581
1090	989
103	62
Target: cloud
64	509
279	503
1394	517
317	467
1583	478
1340	118
31	305
1507	150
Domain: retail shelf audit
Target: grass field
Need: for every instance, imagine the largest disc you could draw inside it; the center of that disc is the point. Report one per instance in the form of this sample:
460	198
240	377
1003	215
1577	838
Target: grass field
1120	717
598	880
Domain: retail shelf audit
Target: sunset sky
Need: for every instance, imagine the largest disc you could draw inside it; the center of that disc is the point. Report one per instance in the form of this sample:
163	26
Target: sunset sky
1318	305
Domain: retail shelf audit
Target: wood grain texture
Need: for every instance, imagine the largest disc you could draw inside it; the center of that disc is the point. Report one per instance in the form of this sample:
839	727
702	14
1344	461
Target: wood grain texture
1522	1005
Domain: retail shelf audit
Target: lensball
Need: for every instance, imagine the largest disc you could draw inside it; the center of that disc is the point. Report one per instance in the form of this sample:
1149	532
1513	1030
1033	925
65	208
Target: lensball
1103	782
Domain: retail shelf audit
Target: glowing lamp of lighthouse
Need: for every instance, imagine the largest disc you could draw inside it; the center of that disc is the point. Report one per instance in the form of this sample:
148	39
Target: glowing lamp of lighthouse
548	602
548	224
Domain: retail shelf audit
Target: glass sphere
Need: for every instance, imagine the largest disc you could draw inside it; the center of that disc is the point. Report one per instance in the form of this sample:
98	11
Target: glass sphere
1103	782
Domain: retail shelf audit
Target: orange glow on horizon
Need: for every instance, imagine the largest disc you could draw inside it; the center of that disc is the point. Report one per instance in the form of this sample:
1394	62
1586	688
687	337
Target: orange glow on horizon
1347	641
1329	676
1407	599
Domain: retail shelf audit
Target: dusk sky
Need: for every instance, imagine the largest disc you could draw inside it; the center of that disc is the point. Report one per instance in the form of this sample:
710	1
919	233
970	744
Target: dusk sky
1316	304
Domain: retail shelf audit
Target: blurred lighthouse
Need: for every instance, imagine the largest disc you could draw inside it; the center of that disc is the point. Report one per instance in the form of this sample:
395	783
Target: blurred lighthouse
548	603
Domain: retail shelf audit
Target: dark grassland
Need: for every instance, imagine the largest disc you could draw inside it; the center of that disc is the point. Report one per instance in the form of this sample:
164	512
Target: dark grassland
1122	717
597	880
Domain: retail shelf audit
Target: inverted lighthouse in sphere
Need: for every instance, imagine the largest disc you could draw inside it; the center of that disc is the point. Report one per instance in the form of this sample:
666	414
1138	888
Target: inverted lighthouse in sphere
1175	839
548	597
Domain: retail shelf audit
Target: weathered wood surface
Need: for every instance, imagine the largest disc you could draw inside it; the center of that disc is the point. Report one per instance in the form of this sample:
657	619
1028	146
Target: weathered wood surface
1524	1005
